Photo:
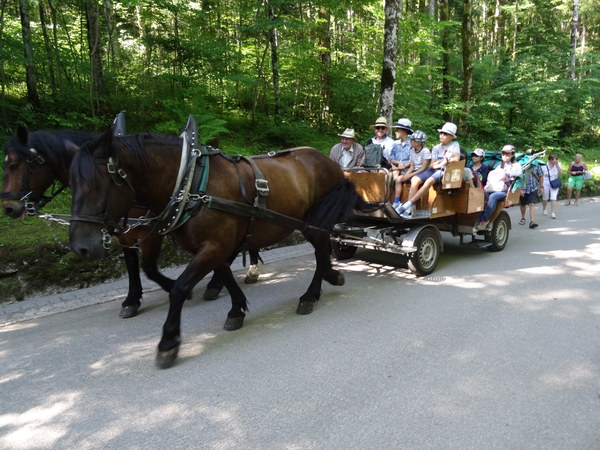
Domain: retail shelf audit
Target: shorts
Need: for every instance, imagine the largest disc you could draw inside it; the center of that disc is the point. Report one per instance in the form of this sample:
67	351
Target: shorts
549	193
436	174
528	199
576	181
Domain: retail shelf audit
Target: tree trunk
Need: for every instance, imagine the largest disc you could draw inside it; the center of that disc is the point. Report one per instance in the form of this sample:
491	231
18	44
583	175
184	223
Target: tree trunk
56	50
2	74
48	48
390	50
516	25
31	79
467	92
574	39
324	42
444	15
274	61
95	53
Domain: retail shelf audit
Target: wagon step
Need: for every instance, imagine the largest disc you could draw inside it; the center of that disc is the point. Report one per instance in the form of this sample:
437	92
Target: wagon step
477	243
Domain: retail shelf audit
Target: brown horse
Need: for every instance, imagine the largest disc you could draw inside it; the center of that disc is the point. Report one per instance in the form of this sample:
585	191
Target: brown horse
34	162
37	160
304	185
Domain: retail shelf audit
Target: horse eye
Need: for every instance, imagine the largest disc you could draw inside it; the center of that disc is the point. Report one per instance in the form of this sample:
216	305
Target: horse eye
13	166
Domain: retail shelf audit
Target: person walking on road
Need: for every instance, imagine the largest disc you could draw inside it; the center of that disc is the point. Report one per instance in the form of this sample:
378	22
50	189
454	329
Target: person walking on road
533	185
552	171
576	169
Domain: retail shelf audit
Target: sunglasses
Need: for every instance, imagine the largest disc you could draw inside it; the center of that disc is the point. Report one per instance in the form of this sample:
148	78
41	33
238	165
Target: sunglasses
380	128
506	153
443	133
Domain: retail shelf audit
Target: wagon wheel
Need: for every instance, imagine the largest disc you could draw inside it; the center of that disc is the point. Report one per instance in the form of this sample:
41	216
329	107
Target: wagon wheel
499	234
342	251
424	260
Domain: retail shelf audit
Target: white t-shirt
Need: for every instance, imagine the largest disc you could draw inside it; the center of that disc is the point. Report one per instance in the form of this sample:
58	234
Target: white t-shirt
444	151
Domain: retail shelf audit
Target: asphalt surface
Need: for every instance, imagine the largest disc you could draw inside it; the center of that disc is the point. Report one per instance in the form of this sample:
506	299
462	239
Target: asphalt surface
493	350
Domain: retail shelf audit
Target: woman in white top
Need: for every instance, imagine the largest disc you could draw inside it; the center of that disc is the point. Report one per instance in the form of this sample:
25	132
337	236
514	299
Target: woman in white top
499	181
551	172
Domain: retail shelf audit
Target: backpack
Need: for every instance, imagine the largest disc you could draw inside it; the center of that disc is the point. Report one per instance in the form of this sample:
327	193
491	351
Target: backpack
373	155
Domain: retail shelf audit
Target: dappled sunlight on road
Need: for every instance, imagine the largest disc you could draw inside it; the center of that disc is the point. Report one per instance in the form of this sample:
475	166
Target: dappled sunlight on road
569	377
45	424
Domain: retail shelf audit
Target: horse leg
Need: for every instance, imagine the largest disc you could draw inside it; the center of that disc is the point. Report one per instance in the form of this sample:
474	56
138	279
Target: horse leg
255	268
236	315
168	347
132	302
324	271
150	247
215	285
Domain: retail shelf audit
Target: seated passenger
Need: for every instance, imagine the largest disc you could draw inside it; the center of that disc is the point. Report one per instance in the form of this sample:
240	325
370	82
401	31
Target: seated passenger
498	183
420	156
348	154
479	169
443	153
400	155
382	139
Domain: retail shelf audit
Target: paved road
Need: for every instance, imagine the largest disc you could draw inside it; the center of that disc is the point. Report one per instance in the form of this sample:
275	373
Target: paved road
491	351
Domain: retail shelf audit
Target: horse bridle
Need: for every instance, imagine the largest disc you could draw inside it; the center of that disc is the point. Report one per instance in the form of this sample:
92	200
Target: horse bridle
104	218
25	194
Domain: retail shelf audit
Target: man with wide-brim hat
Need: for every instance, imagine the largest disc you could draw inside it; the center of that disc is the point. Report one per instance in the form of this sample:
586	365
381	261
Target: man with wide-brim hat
381	138
348	154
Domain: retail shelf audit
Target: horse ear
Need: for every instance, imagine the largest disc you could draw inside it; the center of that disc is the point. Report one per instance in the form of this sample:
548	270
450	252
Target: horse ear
22	134
71	147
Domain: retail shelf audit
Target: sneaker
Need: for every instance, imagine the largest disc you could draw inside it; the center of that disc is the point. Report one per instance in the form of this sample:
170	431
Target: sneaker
545	213
481	226
490	226
395	205
409	212
553	216
399	209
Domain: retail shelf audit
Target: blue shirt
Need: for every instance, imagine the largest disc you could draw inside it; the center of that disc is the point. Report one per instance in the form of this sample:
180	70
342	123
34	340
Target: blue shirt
401	152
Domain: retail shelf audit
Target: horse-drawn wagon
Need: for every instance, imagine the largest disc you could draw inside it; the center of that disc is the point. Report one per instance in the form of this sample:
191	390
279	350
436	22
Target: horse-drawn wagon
452	206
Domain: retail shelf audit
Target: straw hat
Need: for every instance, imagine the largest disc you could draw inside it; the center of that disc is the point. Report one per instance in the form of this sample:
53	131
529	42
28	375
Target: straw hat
381	122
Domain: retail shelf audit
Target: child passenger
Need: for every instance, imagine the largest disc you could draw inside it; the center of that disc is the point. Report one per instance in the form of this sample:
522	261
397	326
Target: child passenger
420	156
443	153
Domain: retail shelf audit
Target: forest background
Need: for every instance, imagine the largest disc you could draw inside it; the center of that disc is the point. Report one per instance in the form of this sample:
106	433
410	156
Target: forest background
260	75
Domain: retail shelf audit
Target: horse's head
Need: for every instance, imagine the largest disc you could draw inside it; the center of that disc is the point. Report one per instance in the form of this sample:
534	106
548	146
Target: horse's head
102	196
26	174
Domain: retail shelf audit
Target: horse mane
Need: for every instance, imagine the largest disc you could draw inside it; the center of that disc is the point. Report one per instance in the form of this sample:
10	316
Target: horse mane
49	144
85	173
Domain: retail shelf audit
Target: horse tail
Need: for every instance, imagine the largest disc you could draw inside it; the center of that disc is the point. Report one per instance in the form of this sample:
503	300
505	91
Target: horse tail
337	206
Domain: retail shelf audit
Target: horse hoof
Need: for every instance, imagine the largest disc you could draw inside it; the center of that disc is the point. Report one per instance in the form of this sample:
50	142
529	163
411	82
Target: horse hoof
337	280
211	294
233	323
305	308
128	311
165	359
251	279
